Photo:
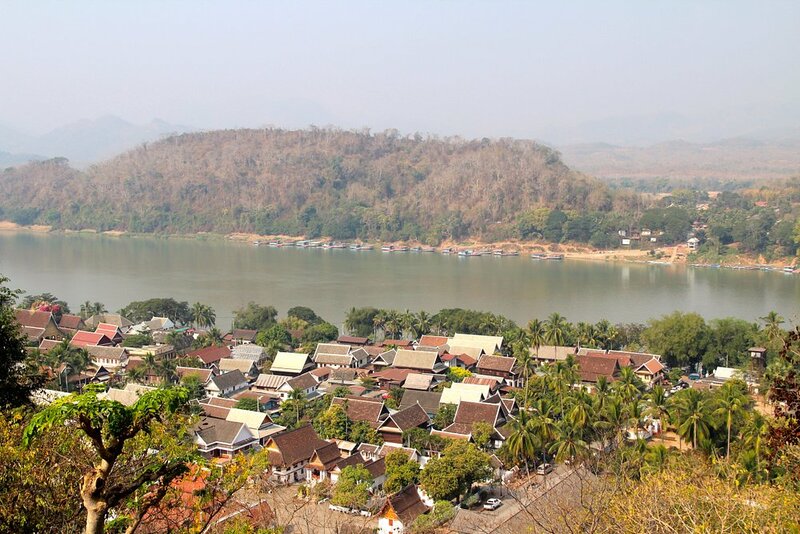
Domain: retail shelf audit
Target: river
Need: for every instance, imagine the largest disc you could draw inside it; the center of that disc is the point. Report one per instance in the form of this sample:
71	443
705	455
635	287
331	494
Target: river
226	275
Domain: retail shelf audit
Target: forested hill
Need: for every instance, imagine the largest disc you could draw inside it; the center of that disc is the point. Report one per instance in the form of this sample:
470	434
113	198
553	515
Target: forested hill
314	182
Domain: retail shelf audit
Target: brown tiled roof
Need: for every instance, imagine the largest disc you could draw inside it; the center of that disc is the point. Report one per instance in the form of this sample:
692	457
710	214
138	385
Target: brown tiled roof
321	372
304	381
219	412
72	322
653	366
376	468
293	446
406	504
32	332
496	363
373	350
593	367
221	401
332	348
432	341
107	353
326	456
243	334
392	374
209	355
483	381
408	418
324	358
472	412
34	318
429	400
418	381
353	459
352	340
361	409
465	358
47	344
636	359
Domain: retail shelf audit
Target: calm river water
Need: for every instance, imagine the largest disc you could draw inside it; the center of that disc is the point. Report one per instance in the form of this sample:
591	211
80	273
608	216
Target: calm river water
227	275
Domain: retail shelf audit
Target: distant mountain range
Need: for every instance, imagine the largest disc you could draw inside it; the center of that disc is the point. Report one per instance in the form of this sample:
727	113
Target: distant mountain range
82	142
736	158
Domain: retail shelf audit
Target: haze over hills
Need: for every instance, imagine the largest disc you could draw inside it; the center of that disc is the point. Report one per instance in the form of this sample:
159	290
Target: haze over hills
736	158
82	142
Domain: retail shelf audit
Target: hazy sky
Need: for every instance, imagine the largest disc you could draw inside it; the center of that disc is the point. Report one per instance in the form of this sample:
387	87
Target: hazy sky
561	71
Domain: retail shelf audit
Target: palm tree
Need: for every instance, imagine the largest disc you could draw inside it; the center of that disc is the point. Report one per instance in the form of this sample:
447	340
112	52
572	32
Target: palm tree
629	385
601	391
605	334
379	322
92	308
658	406
580	412
297	397
613	419
351	320
422	324
772	327
536	333
393	324
523	441
569	444
136	374
203	315
692	415
407	321
656	458
754	433
730	400
166	370
525	362
555	330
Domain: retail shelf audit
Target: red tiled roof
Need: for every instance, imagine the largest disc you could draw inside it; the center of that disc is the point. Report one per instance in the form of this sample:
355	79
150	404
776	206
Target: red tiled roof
209	355
465	358
408	418
83	338
471	412
432	341
496	363
405	504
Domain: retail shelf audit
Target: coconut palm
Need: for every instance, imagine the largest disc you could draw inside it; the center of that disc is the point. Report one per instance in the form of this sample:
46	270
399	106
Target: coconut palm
379	322
629	385
613	420
555	330
730	401
753	435
569	444
92	308
406	320
772	324
422	324
656	458
580	410
165	368
658	406
606	334
537	334
297	398
525	363
203	315
602	389
692	414
136	374
523	442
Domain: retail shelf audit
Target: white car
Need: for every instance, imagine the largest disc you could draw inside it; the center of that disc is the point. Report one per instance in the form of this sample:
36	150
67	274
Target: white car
544	469
492	504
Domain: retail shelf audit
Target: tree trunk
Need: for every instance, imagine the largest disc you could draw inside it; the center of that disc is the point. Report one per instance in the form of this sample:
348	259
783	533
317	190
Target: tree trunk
92	495
728	450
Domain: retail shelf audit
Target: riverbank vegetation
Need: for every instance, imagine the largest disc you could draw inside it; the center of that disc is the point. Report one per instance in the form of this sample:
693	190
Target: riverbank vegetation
384	187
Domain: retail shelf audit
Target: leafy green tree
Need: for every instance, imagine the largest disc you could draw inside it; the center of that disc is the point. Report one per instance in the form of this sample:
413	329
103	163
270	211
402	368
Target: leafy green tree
361	321
352	489
254	317
482	433
114	431
193	386
332	423
453	473
400	472
275	335
248	403
361	432
306	314
444	417
145	310
46	302
137	340
320	333
681	338
18	376
457	374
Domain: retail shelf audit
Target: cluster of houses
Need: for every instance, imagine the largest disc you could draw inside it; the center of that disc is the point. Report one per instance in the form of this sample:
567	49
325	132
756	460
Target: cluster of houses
369	371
